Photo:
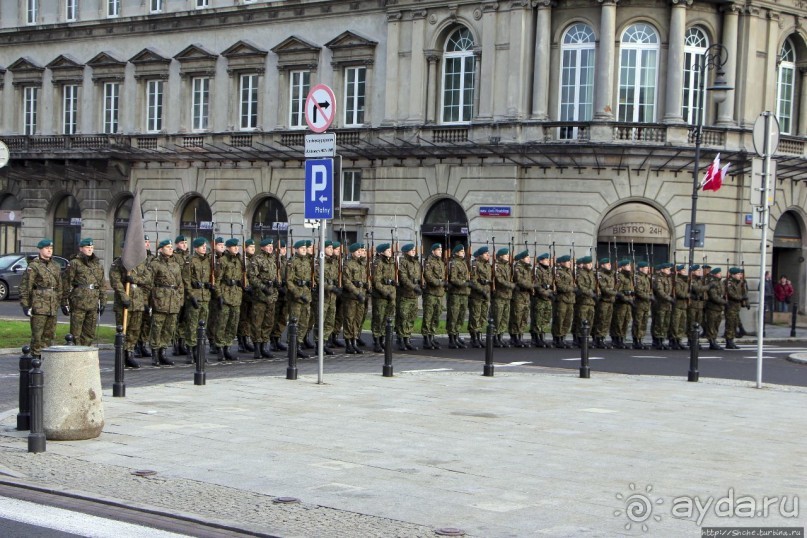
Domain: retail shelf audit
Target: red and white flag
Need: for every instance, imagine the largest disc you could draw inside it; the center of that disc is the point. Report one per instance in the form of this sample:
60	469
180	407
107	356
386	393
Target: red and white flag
715	175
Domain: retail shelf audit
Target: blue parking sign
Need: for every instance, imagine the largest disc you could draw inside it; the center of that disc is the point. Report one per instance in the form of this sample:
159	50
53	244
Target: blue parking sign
319	189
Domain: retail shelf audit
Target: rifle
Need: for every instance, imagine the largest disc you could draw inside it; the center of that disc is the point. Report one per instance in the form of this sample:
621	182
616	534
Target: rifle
244	282
395	249
369	262
493	266
534	260
510	246
593	252
574	262
422	266
468	251
213	261
554	268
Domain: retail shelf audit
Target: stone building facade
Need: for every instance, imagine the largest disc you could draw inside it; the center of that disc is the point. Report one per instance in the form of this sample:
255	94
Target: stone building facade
565	122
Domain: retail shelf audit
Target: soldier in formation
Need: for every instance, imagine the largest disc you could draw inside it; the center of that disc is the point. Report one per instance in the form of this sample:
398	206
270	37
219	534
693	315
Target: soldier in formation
40	296
83	293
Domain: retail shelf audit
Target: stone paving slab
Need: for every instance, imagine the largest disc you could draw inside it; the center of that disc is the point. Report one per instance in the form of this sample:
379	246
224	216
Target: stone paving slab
520	454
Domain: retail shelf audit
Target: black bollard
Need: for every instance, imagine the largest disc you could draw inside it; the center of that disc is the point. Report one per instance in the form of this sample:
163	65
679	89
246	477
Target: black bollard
199	376
693	352
487	371
585	371
36	438
794	312
119	387
24	416
387	370
291	371
68	339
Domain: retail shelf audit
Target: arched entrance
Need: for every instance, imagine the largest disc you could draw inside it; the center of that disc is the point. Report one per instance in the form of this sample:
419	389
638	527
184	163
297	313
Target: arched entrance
270	220
122	215
788	254
197	219
635	230
66	227
10	222
445	223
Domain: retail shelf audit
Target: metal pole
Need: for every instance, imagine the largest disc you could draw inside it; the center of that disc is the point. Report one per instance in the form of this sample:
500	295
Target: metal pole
387	370
119	386
585	370
321	344
766	167
36	438
794	311
24	416
291	370
199	376
693	352
488	369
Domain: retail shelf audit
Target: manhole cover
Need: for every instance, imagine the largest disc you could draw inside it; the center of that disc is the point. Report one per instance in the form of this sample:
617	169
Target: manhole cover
449	531
287	500
144	472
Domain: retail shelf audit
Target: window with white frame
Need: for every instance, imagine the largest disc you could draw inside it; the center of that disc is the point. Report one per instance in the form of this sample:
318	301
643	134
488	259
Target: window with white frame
576	77
200	103
200	4
299	84
695	46
351	187
785	83
249	101
112	8
69	109
70	10
155	6
111	107
638	74
154	106
355	91
30	102
459	67
31	11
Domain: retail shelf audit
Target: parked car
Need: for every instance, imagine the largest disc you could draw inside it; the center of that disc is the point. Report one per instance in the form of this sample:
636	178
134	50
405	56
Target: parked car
13	266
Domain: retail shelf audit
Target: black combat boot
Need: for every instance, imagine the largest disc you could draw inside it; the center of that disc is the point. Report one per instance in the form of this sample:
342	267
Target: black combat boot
460	342
175	345
162	359
307	341
192	357
435	343
241	348
326	348
349	347
227	355
145	351
265	353
248	346
655	344
336	342
256	351
663	345
130	361
300	353
138	350
514	340
542	341
377	345
398	340
452	343
220	353
637	344
359	341
730	344
401	344
714	346
356	346
504	342
278	345
155	361
408	344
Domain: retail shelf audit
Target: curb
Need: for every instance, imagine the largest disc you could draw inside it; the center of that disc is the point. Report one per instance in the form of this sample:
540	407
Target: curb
798	358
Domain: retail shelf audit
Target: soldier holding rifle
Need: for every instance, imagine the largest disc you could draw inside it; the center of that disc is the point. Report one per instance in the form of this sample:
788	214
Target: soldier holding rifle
434	274
409	275
229	292
383	294
298	282
459	288
196	278
541	319
479	302
604	310
522	293
263	279
502	295
356	287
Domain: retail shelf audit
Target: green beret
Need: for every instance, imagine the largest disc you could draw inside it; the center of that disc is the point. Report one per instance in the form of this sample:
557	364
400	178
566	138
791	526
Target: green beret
86	242
249	242
584	259
407	247
219	240
623	263
642	264
521	255
356	246
180	238
735	270
308	243
164	243
199	241
694	267
382	247
328	243
605	260
300	244
232	242
543	256
668	265
282	243
337	244
458	248
481	250
266	241
564	259
44	243
706	266
716	271
502	251
435	246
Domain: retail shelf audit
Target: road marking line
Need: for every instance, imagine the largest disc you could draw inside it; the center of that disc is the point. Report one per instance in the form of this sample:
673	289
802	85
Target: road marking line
590	358
431	370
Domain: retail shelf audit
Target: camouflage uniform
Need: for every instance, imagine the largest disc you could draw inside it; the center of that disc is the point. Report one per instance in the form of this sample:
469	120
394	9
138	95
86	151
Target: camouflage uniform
383	297
40	290
502	296
213	309
244	329
408	292
457	301
332	290
605	307
298	275
713	311
356	287
167	298
135	302
196	278
434	274
479	301
145	325
663	294
541	318
586	300
83	291
181	257
678	322
565	290
281	305
641	308
697	298
737	298
228	277
263	279
520	303
622	308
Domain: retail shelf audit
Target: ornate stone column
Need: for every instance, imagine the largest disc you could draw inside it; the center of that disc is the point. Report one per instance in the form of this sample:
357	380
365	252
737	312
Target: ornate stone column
543	45
725	110
675	61
432	57
803	102
604	78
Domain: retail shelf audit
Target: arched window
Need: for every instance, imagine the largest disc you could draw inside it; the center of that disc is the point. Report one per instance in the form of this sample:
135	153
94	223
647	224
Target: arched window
576	77
122	215
66	227
10	222
445	223
785	84
458	77
197	221
270	220
638	74
695	46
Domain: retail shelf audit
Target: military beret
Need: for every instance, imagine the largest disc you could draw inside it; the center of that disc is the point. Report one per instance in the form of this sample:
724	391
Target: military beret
605	260
382	247
86	242
199	241
481	250
669	265
680	267
282	243
564	259
266	241
458	248
308	243
584	259
716	271
408	247
435	246
694	267
735	270
180	238
521	255
219	240
356	246
623	263
706	266
300	244
328	243
337	244
544	256
642	264
249	242
44	243
164	243
232	242
503	251
146	237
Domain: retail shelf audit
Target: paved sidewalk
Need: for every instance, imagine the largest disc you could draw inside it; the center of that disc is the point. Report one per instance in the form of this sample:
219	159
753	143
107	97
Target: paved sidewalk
519	454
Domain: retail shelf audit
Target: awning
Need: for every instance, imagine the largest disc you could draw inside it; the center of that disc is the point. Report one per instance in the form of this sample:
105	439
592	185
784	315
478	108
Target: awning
635	222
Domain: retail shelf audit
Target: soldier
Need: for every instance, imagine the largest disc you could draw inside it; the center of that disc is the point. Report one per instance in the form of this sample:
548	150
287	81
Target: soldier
245	312
281	305
409	274
737	298
434	274
678	320
502	295
565	291
356	287
134	299
83	296
623	305
141	349
459	288
383	293
713	311
182	255
520	302
298	274
604	309
229	292
587	296
308	326
332	291
338	320
167	297
40	295
263	279
196	279
213	306
479	302
541	307
697	298
664	298
643	289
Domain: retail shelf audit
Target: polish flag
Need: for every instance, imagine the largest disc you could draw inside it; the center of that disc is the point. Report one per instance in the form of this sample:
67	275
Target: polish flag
713	179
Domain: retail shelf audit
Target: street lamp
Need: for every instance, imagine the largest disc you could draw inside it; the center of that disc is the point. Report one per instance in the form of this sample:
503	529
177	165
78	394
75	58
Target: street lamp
714	57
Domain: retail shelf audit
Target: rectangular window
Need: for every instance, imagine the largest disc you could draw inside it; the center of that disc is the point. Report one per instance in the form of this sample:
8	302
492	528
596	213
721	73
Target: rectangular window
691	87
458	89
784	100
201	103
249	101
113	8
71	10
355	80
154	106
30	102
300	83
111	107
351	187
70	108
156	6
202	4
31	11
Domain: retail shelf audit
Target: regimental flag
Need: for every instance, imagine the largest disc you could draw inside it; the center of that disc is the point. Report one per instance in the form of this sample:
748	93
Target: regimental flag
134	251
715	175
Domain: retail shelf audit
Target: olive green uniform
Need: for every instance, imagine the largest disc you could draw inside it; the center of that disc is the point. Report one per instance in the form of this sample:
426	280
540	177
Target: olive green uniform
605	306
41	291
213	308
502	296
459	290
263	279
298	281
136	301
181	257
641	307
622	307
408	292
737	298
434	274
228	277
332	290
479	301
167	298
281	305
698	288
678	321
713	310
541	316
196	278
354	282
383	293
83	291
586	300
662	307
520	302
565	296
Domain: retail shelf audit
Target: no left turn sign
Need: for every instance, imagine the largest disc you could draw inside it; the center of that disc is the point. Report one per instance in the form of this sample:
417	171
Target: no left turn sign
320	108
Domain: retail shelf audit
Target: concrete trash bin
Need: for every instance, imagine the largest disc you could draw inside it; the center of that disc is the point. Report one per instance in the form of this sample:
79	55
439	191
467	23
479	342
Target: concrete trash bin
71	396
